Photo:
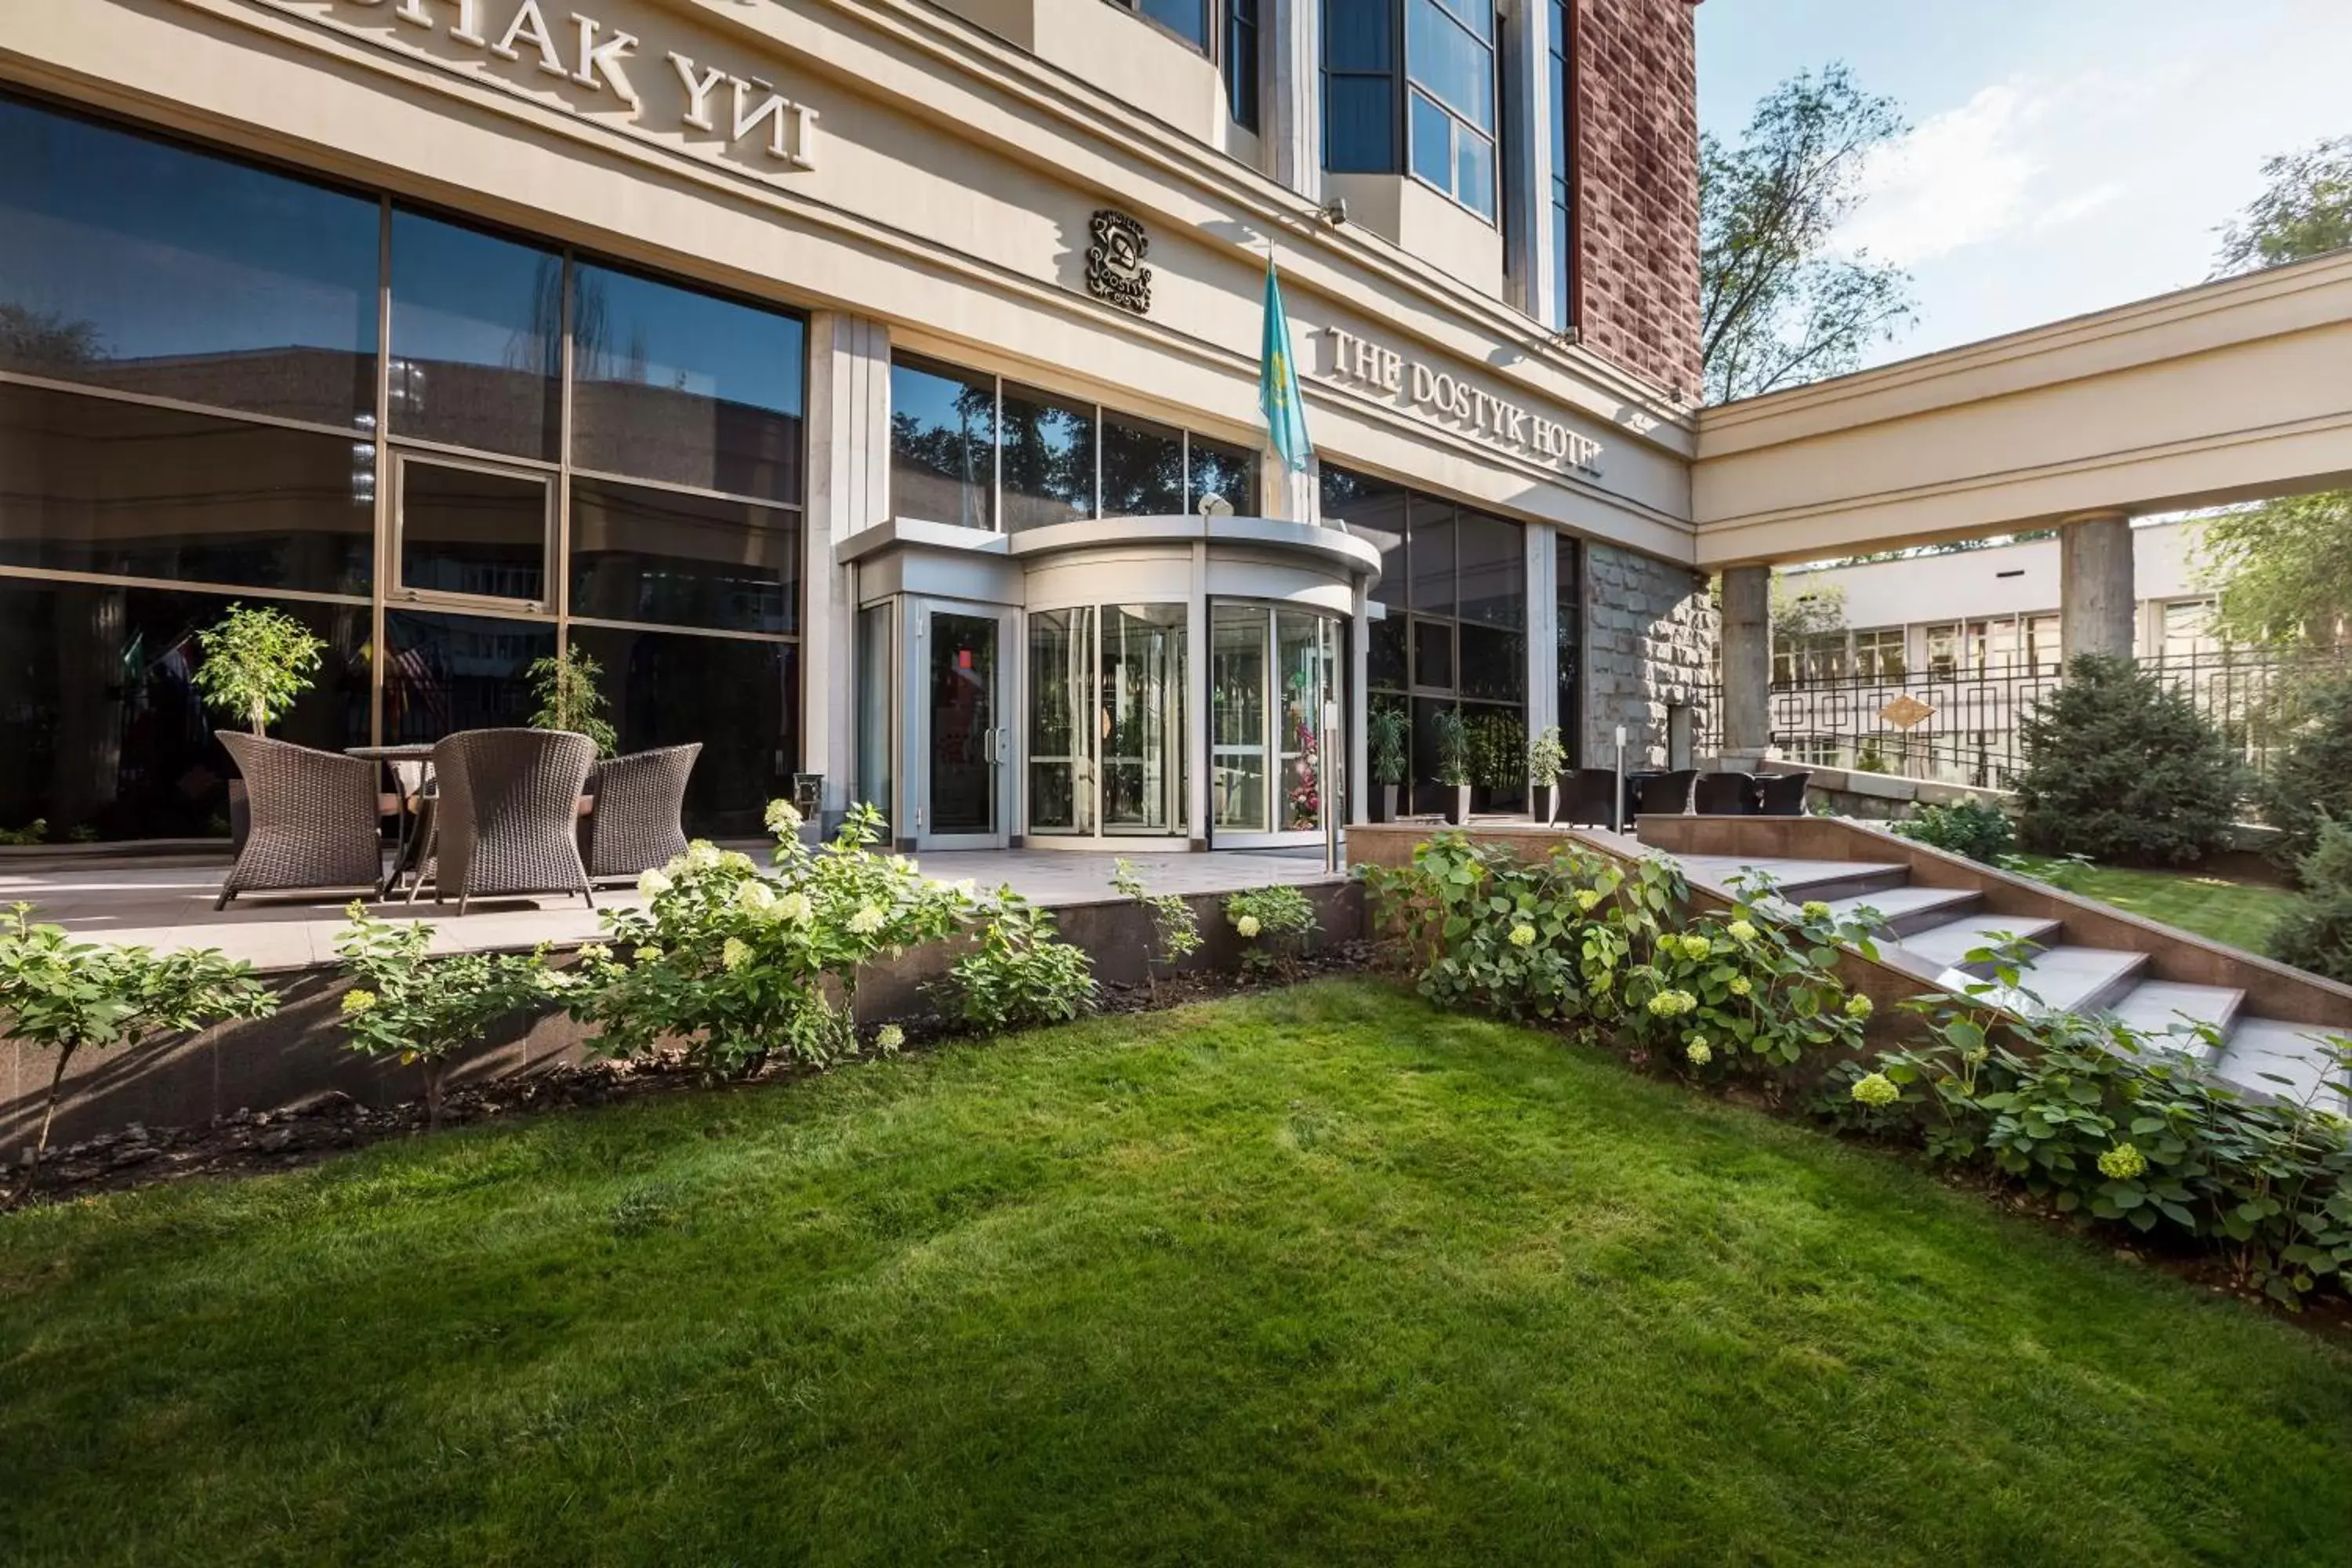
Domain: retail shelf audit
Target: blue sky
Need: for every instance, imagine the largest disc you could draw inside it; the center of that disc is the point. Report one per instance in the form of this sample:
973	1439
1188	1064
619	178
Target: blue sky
2065	154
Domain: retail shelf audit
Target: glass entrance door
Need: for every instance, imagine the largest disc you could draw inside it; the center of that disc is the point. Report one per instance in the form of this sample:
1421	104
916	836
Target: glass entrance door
967	738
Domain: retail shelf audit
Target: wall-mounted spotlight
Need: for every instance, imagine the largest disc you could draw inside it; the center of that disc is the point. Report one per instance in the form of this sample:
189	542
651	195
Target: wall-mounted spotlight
1334	211
1213	506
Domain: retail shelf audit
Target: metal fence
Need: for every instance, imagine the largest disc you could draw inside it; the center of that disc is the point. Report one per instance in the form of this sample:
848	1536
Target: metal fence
1962	726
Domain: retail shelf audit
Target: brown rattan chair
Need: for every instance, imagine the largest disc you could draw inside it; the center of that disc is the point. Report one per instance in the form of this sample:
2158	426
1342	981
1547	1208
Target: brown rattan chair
635	816
1593	801
1663	794
311	819
504	821
1781	794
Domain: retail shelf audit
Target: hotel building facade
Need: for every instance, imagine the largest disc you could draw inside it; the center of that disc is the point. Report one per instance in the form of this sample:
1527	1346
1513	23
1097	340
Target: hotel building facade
869	386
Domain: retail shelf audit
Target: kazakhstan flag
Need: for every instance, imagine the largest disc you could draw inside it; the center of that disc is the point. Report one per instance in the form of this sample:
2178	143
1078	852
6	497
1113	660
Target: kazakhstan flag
1278	383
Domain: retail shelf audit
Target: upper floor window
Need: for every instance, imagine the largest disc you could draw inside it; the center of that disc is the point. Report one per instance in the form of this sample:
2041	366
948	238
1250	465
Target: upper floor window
970	450
1240	62
1188	19
1563	169
1436	117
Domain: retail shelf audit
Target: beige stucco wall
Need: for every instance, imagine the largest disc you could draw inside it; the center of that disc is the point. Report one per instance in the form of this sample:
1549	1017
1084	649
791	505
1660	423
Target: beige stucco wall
952	182
2228	391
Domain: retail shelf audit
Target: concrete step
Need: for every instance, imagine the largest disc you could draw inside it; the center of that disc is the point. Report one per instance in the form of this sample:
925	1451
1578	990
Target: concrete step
1949	944
1908	909
2064	979
2282	1061
1799	881
2160	1007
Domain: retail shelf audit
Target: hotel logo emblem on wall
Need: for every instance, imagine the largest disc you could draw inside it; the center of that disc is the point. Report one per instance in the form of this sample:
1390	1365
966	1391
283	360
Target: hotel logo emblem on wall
1115	270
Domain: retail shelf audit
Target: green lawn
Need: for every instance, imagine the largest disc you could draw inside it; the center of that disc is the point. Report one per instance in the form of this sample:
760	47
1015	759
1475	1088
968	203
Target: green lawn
2239	913
1319	1277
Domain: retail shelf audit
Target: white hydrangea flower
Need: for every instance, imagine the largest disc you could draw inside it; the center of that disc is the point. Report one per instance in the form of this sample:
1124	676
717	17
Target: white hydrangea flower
794	909
890	1038
868	920
783	819
701	855
1247	925
755	896
735	954
654	884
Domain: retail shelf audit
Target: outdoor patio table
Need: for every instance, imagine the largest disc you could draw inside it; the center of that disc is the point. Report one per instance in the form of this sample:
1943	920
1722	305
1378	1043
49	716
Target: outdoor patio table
418	755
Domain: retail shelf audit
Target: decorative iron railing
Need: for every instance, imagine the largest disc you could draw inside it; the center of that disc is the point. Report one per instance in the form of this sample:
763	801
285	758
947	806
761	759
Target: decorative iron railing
1962	726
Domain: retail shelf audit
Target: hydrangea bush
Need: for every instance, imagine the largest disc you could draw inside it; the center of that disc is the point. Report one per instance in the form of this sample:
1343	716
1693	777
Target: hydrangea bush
1021	975
1274	924
743	963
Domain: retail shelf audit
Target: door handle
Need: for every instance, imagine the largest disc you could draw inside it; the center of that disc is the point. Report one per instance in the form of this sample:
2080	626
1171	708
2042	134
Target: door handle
988	747
1003	744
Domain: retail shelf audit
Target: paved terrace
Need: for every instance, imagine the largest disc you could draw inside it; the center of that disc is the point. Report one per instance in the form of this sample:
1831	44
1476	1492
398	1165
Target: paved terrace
168	904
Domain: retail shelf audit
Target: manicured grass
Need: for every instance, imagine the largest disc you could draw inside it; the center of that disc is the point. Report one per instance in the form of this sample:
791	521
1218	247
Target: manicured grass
1322	1276
2239	913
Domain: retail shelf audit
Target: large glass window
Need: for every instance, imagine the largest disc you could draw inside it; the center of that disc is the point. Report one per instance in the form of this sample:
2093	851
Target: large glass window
675	384
1240	64
477	339
1047	466
1563	165
1142	720
1271	669
1061	682
677	559
1188	19
1214	469
102	730
738	696
1446	95
1454	582
942	444
131	263
149	276
90	484
1360	87
1142	468
1568	625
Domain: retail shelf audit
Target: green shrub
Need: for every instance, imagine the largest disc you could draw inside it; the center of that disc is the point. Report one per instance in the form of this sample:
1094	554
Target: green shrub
1547	756
1498	749
2316	933
2311	776
1274	924
1577	938
1978	829
1177	930
1022	975
2123	768
67	995
742	965
1450	736
255	663
2094	1118
422	1010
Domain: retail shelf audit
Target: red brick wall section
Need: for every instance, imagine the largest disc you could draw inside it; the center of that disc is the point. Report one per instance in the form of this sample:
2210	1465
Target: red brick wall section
1637	186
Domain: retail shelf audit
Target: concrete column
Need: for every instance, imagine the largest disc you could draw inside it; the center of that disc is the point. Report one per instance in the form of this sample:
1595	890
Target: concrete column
849	480
1292	61
2098	598
1543	632
1359	636
1747	664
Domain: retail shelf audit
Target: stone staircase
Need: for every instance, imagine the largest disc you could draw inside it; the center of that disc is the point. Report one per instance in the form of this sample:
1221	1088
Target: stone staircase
1929	931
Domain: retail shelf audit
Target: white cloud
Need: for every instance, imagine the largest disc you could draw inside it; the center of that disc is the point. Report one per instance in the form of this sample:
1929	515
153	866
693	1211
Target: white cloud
1958	178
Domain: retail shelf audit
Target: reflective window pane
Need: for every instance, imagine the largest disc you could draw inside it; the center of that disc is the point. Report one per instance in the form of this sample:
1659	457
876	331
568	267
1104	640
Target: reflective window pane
1142	468
477	339
1049	461
1359	124
1373	510
1432	653
1061	745
1473	172
1493	583
1445	57
1188	19
1432	142
89	484
739	697
1384	655
1493	663
1432	550
640	555
1357	34
1238	764
943	445
673	384
1144	782
447	673
102	731
1218	469
129	263
878	708
463	530
1569	621
1306	673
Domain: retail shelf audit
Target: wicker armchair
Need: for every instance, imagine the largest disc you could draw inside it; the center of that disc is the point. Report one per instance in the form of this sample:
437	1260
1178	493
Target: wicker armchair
1663	794
635	816
504	821
1725	795
1781	794
311	819
1592	803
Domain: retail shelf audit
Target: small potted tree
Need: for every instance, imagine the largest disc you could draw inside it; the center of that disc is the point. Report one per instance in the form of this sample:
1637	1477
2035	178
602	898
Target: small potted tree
1451	736
569	699
256	664
1547	760
1388	736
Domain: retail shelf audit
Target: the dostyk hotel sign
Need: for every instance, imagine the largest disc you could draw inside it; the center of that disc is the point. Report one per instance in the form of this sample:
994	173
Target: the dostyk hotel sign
545	38
1453	401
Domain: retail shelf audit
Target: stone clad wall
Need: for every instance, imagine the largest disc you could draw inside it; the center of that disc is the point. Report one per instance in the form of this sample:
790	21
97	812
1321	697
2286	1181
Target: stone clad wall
1637	186
1650	638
